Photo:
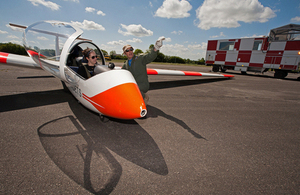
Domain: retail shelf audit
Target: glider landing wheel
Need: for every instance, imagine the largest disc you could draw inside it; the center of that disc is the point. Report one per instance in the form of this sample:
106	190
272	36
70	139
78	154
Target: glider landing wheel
103	118
65	88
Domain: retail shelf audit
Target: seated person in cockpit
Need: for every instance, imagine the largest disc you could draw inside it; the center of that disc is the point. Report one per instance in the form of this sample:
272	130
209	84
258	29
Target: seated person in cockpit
89	61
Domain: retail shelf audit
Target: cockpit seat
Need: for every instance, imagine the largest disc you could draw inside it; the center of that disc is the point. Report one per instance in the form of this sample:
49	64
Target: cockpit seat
74	68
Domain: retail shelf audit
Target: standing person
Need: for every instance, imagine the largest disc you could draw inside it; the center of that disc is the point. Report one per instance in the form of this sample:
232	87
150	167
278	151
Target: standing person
137	66
89	60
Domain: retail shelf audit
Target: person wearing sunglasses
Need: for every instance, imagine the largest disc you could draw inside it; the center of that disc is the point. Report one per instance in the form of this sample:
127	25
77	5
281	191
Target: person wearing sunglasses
137	65
89	60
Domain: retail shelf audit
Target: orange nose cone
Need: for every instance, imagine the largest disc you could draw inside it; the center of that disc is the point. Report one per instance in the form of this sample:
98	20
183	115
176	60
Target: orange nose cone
123	101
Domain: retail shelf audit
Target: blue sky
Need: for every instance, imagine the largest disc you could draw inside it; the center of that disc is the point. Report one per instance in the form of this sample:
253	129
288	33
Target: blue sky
187	25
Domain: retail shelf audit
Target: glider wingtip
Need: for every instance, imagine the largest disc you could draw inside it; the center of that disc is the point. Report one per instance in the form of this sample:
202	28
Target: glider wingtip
228	76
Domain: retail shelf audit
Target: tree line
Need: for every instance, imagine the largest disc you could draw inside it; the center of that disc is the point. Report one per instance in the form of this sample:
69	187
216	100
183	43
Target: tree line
12	48
18	49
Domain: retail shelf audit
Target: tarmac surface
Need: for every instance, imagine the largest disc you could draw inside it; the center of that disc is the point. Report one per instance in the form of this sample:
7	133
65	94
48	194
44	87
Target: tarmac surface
201	136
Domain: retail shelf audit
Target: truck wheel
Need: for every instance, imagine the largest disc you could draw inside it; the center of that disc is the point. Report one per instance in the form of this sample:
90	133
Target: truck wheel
223	70
280	74
243	72
215	69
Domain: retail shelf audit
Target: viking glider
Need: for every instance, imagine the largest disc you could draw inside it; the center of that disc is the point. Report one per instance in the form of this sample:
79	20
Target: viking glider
112	92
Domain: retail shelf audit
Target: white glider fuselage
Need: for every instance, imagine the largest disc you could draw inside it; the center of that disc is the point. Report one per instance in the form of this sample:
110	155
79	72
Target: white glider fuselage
112	93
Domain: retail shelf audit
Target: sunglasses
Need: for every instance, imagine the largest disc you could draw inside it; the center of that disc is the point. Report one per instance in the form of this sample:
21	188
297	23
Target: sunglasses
127	50
93	57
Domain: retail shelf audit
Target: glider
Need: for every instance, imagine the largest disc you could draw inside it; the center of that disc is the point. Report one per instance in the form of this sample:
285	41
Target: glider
112	92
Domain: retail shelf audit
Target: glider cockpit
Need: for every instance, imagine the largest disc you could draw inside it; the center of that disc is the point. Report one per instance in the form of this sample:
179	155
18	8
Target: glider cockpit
75	58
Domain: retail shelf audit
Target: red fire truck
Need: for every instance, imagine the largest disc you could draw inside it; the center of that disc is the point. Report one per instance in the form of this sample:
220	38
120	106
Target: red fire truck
279	51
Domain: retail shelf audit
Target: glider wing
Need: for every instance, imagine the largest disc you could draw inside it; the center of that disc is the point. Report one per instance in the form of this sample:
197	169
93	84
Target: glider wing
183	73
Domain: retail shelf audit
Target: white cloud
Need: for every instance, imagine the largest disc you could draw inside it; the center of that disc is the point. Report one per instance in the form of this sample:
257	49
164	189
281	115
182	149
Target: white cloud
216	36
49	4
254	36
192	51
174	9
168	39
3	32
88	25
120	42
76	1
90	9
177	32
134	40
16	42
42	38
216	13
100	13
201	46
150	4
296	19
12	37
173	49
135	30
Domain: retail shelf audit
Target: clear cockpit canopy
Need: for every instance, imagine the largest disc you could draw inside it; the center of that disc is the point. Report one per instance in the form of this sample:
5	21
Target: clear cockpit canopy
47	39
55	45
